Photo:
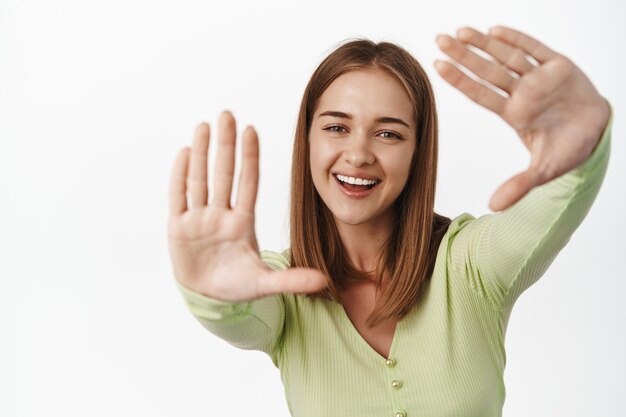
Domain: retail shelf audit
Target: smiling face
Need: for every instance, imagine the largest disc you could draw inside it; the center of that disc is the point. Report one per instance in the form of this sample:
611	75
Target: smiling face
363	127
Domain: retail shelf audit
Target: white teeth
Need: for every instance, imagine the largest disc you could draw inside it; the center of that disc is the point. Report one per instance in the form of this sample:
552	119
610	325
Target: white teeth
357	181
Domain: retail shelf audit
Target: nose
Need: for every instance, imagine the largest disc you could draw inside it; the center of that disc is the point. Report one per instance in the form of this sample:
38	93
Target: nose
358	150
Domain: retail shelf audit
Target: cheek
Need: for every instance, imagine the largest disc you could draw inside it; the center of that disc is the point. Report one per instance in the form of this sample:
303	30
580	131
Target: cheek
321	160
317	170
315	163
398	166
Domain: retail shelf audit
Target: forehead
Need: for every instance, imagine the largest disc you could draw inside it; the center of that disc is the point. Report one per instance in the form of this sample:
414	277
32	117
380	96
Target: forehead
367	94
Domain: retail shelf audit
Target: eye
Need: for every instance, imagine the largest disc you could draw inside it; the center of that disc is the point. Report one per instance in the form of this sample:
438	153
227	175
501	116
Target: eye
341	129
393	134
332	128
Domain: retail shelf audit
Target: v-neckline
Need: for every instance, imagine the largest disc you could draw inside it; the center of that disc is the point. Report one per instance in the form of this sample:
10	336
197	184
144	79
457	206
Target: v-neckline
363	342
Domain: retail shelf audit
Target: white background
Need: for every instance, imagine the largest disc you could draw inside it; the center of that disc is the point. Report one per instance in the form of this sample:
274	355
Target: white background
96	98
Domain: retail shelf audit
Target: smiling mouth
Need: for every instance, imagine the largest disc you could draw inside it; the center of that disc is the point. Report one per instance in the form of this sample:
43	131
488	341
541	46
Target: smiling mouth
355	187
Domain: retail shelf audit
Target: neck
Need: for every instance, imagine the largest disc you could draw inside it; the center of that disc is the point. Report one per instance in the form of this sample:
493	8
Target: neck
363	242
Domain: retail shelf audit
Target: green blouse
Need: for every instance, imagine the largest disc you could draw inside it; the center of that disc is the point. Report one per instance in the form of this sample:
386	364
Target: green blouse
447	357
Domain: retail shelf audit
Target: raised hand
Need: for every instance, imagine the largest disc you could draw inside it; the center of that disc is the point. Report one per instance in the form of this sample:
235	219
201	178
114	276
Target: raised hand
213	247
547	99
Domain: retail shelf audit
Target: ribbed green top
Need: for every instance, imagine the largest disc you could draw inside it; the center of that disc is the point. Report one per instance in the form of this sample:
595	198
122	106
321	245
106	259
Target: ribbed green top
447	357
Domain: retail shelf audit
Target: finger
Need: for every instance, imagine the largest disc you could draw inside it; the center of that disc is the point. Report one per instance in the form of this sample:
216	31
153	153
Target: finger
540	52
489	71
477	92
178	190
293	281
225	163
510	56
249	178
198	190
512	191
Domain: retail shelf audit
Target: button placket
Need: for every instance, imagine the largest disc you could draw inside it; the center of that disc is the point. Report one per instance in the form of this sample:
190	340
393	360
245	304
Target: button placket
395	384
390	363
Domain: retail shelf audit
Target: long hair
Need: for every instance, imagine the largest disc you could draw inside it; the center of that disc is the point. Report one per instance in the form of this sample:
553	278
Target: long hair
406	260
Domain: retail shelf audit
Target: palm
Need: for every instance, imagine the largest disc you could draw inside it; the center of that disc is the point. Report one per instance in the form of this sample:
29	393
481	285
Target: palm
203	235
213	247
552	105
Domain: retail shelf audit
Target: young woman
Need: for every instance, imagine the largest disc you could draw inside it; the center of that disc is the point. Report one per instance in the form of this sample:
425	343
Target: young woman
382	307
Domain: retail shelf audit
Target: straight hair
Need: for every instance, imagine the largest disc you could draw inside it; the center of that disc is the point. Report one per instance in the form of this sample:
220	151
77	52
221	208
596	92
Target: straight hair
407	259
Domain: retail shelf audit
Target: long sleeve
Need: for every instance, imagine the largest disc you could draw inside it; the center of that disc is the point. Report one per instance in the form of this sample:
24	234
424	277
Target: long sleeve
250	325
503	254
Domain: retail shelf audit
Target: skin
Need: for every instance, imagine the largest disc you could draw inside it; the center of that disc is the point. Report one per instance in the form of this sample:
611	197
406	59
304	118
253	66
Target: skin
362	145
551	104
553	107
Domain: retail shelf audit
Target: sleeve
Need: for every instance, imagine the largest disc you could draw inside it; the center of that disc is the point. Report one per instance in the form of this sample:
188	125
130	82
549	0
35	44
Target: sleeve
500	255
249	325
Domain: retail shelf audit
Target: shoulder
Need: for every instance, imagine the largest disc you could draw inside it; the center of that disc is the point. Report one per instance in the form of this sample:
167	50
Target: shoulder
459	223
276	260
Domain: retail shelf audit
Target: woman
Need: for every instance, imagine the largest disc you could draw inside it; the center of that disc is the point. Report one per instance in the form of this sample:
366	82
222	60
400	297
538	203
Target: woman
381	306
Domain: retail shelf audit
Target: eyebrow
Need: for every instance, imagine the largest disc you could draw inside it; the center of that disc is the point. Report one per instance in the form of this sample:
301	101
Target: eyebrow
384	119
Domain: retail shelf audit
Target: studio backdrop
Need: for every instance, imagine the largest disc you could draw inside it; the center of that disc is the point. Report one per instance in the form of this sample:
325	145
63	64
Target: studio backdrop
97	98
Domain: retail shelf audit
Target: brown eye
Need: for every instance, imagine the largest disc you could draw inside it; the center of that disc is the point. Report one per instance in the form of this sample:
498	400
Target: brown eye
332	128
393	135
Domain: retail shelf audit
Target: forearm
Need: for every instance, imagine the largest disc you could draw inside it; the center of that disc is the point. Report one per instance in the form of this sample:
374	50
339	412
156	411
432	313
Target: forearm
505	253
250	325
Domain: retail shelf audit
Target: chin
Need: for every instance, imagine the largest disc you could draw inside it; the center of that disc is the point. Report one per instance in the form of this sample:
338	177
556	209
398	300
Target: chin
350	219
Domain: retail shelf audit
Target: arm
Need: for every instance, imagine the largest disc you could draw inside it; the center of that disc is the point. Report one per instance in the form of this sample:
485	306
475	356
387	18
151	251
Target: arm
564	123
250	325
503	254
214	250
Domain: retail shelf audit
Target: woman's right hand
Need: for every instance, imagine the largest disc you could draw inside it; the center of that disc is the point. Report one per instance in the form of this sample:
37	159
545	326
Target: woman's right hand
213	247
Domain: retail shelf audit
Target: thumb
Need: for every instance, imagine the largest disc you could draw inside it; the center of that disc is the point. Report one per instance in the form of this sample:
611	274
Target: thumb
513	190
292	280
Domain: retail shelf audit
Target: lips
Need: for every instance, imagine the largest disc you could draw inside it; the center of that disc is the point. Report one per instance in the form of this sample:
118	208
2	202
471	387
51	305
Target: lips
361	192
357	175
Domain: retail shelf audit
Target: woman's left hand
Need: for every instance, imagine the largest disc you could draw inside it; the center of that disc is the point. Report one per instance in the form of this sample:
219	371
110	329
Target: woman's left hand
551	104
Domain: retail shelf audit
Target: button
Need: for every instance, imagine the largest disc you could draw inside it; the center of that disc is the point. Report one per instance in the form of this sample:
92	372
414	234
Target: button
396	384
390	363
400	413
